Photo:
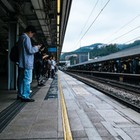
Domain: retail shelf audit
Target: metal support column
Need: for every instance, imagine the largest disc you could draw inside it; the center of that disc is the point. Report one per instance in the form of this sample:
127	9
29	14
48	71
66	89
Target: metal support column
12	68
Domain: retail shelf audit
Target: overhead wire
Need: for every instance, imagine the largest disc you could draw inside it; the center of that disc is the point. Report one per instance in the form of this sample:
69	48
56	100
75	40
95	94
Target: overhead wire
116	30
93	21
124	34
127	24
122	27
89	16
132	39
87	21
95	18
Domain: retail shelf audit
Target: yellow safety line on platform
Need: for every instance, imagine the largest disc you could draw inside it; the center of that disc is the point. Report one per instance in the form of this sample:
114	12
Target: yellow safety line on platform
66	126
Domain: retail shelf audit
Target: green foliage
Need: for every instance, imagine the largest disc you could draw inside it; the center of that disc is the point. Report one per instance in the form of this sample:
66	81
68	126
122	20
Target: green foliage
106	50
100	49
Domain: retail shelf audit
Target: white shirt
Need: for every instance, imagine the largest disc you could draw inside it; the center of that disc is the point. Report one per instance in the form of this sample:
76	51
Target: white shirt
53	64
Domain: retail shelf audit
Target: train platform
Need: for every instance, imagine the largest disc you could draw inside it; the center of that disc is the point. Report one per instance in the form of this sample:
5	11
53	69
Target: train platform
34	120
89	114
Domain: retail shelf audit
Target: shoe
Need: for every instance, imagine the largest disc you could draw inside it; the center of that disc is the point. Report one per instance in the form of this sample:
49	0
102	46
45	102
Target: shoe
41	84
27	100
18	97
31	91
42	81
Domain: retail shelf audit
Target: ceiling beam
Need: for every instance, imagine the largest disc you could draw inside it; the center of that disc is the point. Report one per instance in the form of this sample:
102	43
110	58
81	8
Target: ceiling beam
8	5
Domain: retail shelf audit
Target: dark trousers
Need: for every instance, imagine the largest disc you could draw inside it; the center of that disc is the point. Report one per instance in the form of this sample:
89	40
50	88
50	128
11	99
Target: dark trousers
52	73
49	72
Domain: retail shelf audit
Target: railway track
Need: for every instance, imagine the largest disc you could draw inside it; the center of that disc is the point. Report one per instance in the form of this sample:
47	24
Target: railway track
122	85
125	93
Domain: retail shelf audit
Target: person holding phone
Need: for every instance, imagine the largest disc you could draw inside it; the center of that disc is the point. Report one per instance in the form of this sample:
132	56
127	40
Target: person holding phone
26	61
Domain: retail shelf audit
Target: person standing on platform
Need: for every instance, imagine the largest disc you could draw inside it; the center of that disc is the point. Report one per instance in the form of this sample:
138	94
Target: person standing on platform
38	66
49	67
26	61
53	64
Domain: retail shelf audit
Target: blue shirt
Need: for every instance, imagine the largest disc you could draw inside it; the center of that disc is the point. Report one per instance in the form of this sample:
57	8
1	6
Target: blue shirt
26	52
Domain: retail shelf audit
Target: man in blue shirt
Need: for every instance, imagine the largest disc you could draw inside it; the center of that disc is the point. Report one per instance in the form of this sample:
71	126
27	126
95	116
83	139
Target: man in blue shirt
26	61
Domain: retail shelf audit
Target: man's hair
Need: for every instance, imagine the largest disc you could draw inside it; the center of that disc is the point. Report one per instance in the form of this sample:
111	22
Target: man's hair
30	28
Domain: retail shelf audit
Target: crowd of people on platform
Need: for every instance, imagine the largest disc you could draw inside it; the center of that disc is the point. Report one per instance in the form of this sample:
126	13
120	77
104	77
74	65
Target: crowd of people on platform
45	66
32	59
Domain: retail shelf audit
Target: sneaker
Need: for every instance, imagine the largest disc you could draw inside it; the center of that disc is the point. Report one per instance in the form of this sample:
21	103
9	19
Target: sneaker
27	100
42	81
18	97
31	91
41	84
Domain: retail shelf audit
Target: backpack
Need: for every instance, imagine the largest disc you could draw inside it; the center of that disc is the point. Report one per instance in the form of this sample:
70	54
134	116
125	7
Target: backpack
14	54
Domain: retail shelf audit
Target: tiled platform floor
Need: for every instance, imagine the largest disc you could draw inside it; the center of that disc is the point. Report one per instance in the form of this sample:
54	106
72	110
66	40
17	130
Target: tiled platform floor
95	116
92	115
37	120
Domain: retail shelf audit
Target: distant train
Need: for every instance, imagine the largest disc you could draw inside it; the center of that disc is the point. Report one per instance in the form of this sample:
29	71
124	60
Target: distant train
126	61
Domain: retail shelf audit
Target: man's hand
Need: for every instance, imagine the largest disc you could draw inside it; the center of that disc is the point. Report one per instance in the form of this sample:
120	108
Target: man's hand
39	46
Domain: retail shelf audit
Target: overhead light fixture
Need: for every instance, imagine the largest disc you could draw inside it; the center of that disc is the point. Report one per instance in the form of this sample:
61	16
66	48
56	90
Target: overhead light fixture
58	19
58	6
57	34
58	40
57	29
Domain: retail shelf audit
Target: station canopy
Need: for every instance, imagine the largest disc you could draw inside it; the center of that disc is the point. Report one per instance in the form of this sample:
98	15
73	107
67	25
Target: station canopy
49	17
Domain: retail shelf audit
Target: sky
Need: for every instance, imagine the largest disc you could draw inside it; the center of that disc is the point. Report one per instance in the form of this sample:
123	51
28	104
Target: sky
102	21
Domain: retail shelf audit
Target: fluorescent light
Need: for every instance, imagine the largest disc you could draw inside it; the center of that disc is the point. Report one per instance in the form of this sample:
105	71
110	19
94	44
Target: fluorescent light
58	19
58	34
58	6
57	29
